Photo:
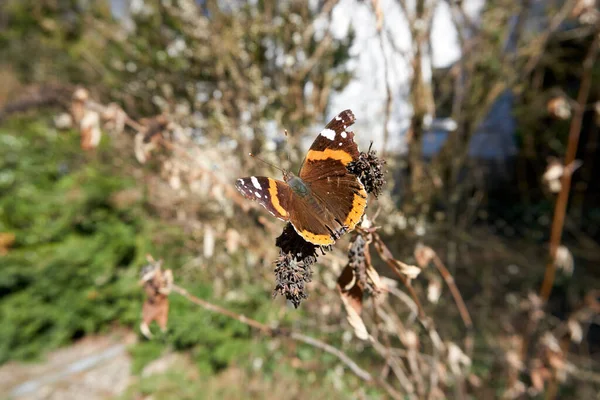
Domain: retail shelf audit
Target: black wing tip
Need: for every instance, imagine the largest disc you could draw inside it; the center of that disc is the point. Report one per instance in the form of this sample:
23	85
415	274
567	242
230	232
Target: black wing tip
342	121
240	185
347	117
348	114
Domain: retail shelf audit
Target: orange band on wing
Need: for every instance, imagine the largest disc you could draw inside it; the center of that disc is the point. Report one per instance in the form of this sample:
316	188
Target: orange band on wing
316	239
359	203
340	155
274	199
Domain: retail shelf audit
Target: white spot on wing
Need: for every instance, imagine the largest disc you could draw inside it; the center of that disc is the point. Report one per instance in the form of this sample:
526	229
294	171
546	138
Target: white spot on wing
341	143
255	182
338	118
328	133
258	195
344	135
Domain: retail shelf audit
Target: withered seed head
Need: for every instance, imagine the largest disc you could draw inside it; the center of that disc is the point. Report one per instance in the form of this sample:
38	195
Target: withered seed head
369	169
291	278
357	261
293	267
290	242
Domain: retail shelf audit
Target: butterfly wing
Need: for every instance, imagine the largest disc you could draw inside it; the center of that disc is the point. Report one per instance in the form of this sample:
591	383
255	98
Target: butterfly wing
340	194
334	142
337	199
279	199
272	194
313	221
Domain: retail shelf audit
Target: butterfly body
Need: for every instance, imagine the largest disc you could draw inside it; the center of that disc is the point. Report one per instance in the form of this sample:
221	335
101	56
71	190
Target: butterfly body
325	199
297	185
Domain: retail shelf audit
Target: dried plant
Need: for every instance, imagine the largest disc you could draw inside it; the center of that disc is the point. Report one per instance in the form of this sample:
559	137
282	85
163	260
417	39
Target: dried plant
157	286
6	241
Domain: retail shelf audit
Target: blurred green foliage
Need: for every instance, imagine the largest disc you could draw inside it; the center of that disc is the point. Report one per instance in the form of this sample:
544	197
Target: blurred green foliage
73	268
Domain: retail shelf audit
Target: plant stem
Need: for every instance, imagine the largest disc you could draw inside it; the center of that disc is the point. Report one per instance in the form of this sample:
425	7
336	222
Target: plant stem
560	207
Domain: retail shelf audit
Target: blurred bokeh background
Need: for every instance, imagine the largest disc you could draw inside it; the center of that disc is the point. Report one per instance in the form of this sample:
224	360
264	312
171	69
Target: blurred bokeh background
125	123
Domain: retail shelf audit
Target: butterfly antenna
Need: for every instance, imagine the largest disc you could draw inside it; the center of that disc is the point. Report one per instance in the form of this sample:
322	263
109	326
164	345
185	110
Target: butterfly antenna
268	163
287	144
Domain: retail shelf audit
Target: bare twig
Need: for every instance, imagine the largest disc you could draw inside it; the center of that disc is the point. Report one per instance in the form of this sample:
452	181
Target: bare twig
361	373
386	255
299	337
460	304
223	311
563	196
396	367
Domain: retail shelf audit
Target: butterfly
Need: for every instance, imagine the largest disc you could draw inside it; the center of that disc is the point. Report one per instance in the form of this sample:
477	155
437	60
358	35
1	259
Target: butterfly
324	199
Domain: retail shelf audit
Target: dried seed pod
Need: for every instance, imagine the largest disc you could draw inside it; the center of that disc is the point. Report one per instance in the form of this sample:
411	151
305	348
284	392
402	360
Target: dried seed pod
291	278
290	242
369	169
293	267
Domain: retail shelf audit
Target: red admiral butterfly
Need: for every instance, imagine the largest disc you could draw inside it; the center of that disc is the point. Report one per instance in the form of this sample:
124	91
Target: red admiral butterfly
325	198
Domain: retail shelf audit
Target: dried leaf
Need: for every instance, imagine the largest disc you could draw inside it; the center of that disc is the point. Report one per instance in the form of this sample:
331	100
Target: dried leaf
157	285
457	359
513	358
434	291
551	342
564	260
539	375
375	279
559	108
114	118
209	242
423	255
514	391
586	11
411	339
141	149
554	170
411	271
63	121
6	240
475	381
575	330
351	295
79	99
89	128
232	240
